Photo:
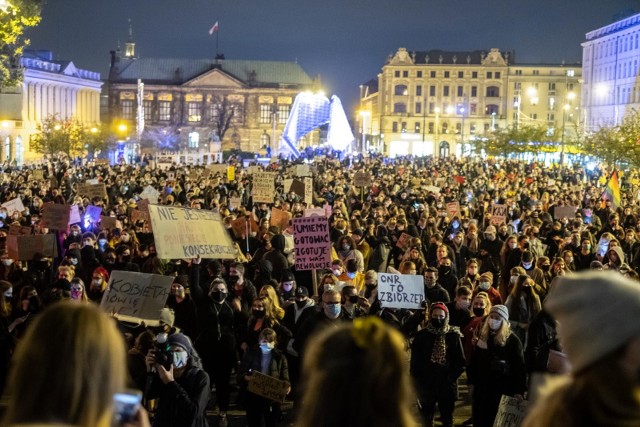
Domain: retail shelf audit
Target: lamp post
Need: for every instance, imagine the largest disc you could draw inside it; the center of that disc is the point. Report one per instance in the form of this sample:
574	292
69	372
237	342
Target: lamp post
462	131
435	144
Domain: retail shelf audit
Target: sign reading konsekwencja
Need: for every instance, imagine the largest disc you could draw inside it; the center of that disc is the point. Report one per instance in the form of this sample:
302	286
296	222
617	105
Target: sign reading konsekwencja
311	243
189	233
400	290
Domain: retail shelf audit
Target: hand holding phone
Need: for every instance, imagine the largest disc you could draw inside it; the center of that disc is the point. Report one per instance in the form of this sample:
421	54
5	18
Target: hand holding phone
126	405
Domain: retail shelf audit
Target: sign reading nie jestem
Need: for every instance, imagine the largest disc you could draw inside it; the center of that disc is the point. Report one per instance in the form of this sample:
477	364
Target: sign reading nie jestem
311	243
189	233
138	295
400	290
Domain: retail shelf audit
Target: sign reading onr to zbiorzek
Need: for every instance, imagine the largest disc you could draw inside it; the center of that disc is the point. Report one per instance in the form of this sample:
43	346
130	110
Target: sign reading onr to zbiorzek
188	233
400	290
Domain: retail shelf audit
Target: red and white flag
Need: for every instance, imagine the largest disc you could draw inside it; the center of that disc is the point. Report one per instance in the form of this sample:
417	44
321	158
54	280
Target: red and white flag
213	29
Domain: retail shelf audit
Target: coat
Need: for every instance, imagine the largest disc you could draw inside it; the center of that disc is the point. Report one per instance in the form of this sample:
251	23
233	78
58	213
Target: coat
429	374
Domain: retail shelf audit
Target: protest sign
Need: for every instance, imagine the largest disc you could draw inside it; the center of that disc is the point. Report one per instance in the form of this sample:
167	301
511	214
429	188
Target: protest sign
308	191
499	214
217	169
264	187
302	170
279	218
403	241
400	290
93	212
136	295
150	194
92	190
453	209
362	179
55	216
560	212
102	162
24	247
239	226
268	387
234	202
315	212
14	205
38	174
74	215
108	222
189	233
231	173
94	181
138	215
254	170
311	243
432	189
511	412
297	187
286	184
19	230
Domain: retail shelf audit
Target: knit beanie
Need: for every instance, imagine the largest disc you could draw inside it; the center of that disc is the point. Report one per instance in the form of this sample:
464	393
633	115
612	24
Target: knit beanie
500	310
598	312
487	275
182	341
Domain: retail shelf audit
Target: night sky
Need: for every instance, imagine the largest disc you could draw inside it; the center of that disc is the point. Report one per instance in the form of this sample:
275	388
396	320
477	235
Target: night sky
344	41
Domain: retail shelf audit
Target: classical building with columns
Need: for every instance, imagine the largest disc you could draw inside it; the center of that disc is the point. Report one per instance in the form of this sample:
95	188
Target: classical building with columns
49	87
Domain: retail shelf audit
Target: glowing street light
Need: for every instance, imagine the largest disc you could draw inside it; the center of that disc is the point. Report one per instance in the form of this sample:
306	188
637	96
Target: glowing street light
57	127
94	130
122	127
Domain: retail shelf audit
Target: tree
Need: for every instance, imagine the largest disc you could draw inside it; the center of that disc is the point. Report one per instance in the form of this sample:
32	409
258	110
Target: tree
167	138
15	17
98	139
516	140
226	112
57	137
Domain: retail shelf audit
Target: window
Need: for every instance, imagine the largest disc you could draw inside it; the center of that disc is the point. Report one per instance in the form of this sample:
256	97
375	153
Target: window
489	75
552	103
264	141
213	111
460	90
569	86
534	116
194	139
551	117
405	74
400	90
518	72
493	92
416	128
552	86
147	105
571	73
403	127
432	107
431	127
194	111
164	111
283	113
486	127
461	74
472	128
458	128
128	110
445	91
419	90
474	91
446	74
399	107
396	74
536	72
394	127
419	74
432	74
517	85
490	109
497	75
266	113
473	109
432	91
474	74
418	108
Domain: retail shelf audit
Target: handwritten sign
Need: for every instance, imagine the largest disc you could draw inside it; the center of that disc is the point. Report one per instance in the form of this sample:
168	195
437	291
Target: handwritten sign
499	214
23	248
267	386
55	216
74	215
239	226
403	241
511	412
308	191
311	243
19	230
362	179
302	170
14	205
189	233
38	174
234	202
107	222
297	187
453	209
217	169
137	295
138	215
279	218
92	190
560	212
150	194
433	189
93	212
400	290
264	187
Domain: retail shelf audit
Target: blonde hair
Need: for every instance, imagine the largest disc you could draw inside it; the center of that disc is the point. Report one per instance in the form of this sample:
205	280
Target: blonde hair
70	363
358	370
501	335
272	296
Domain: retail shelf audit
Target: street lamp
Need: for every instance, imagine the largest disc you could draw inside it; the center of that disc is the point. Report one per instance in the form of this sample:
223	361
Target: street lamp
435	144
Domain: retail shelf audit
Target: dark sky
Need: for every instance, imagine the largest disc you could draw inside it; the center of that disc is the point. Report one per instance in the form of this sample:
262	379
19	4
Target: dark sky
345	41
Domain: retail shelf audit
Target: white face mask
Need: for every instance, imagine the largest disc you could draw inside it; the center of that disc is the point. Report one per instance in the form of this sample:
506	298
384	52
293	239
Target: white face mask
513	245
8	293
495	324
513	280
484	286
180	359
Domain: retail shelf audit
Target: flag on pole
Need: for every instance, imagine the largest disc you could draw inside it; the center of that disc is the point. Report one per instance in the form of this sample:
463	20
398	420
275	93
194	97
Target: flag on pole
612	191
213	29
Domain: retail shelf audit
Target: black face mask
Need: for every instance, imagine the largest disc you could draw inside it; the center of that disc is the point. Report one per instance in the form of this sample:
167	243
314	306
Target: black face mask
232	280
444	270
369	290
125	258
353	299
478	312
34	304
258	314
301	304
437	323
527	289
218	296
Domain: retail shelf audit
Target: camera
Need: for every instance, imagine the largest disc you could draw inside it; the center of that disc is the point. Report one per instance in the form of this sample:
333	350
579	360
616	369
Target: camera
162	351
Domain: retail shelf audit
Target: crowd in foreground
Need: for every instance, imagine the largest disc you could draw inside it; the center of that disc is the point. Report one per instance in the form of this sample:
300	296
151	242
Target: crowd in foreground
490	308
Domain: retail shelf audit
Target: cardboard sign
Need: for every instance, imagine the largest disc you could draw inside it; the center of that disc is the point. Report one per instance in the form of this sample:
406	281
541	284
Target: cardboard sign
252	170
560	212
55	216
19	230
93	212
321	212
311	243
453	209
302	170
239	226
94	181
38	174
136	295
14	205
150	193
499	214
217	169
433	189
231	173
74	215
92	190
234	202
400	290
279	218
403	241
267	386
23	248
297	187
108	223
264	187
362	179
511	413
189	233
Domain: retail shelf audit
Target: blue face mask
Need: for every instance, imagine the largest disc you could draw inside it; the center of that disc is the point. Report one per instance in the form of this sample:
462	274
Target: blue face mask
333	310
351	275
266	347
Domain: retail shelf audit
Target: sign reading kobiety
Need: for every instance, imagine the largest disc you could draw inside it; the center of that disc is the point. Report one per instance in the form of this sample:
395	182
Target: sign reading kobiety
189	233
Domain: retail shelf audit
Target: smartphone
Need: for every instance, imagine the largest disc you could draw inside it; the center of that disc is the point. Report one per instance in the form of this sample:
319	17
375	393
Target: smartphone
126	405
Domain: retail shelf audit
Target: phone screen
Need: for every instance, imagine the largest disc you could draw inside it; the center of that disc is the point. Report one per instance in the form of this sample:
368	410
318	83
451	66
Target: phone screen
126	405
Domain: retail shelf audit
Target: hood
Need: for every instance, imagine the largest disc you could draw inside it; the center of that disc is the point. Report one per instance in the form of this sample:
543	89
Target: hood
265	267
618	250
278	242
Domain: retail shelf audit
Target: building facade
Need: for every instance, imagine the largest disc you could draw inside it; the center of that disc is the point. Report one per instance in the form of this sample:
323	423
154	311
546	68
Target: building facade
49	88
610	69
204	103
437	102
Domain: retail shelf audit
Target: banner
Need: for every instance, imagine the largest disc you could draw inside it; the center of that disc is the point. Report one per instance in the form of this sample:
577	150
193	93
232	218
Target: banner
55	216
136	295
311	243
189	233
14	205
23	248
499	214
400	290
511	412
264	187
267	386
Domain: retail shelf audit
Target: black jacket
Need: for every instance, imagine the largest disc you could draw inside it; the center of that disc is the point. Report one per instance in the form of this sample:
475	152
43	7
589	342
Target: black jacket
427	373
252	361
313	325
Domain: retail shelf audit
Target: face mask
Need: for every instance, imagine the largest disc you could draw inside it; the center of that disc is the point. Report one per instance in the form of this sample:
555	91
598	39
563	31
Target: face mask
568	260
513	245
455	224
8	294
76	294
301	304
102	242
180	359
218	296
232	280
353	299
7	262
74	261
287	287
88	243
437	323
258	314
586	247
494	324
327	287
266	347
478	311
333	310
490	237
351	275
527	265
484	286
336	272
346	247
513	279
444	270
462	305
97	283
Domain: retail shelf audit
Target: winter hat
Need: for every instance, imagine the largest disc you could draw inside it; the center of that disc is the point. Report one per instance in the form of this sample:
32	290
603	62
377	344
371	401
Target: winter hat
487	275
181	340
287	276
302	291
490	230
439	305
588	335
167	316
501	310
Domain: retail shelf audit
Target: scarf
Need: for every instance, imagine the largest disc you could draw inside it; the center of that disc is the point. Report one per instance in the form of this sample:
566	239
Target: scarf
439	353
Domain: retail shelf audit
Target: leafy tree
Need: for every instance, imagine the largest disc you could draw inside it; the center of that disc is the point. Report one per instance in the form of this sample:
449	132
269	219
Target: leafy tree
15	17
57	137
516	140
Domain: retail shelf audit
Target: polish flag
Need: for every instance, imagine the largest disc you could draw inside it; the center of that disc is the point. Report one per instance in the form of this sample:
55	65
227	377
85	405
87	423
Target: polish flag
213	29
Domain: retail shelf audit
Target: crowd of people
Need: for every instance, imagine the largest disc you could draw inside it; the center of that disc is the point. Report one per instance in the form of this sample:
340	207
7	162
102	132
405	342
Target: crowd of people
488	274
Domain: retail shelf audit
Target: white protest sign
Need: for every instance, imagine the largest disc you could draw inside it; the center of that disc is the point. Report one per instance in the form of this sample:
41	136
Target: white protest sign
499	214
308	191
321	212
453	209
511	412
94	181
302	170
189	233
311	243
432	189
150	194
217	168
136	295
254	170
286	184
74	215
14	205
400	290
264	187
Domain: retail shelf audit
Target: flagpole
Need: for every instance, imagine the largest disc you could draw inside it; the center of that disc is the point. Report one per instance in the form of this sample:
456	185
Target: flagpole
217	35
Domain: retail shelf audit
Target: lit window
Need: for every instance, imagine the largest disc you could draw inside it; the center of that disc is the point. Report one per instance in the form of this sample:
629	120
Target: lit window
194	111
266	113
